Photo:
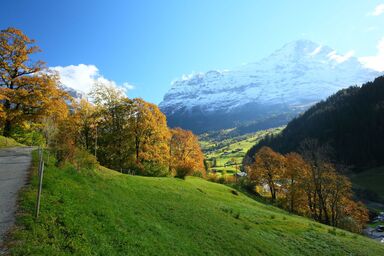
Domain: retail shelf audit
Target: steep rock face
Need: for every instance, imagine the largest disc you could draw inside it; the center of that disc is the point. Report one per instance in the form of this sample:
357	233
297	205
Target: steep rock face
265	93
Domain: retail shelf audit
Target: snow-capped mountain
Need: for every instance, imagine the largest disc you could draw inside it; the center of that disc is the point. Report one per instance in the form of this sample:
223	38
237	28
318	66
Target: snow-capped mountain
76	94
266	93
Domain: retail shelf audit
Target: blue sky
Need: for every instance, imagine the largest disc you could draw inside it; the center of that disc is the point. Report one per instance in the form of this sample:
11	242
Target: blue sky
148	44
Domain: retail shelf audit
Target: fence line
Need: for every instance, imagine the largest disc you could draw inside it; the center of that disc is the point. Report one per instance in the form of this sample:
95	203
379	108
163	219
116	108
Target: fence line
41	174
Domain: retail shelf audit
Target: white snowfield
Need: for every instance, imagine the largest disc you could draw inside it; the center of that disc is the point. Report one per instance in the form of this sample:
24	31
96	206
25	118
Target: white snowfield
297	75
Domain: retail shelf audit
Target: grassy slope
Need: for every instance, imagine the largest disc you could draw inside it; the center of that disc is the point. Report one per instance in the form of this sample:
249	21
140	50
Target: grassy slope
372	179
107	213
234	148
8	142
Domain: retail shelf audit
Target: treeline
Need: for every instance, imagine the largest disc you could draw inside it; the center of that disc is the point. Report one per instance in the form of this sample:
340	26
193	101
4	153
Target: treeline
128	135
350	121
308	184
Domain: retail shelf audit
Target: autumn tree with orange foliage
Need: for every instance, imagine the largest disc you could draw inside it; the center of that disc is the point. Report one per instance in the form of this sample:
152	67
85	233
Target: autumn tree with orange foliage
310	185
28	90
87	116
150	134
132	134
186	157
294	171
267	169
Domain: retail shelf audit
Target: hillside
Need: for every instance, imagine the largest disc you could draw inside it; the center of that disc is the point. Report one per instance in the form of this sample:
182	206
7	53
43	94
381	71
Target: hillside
352	123
107	213
264	94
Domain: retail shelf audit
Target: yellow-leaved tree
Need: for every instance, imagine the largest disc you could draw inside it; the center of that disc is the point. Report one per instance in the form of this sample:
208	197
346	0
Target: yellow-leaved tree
150	136
294	174
186	157
28	91
268	169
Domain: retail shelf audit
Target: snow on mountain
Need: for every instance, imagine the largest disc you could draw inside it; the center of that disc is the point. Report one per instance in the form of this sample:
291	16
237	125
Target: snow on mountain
286	82
76	94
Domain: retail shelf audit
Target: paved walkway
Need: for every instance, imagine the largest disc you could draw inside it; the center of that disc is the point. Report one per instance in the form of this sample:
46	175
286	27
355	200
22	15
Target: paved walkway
14	166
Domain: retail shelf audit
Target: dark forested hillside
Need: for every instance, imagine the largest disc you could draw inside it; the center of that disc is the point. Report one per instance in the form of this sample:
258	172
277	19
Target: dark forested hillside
350	121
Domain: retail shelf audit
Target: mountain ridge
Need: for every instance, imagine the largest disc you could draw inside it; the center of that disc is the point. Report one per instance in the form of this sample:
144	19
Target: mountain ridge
269	92
350	121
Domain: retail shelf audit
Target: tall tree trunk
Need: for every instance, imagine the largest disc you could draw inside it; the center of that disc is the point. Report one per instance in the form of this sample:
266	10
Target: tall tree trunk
7	128
292	197
273	190
137	149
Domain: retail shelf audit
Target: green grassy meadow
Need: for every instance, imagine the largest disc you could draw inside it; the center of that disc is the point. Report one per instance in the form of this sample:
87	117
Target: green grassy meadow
229	153
369	185
102	212
372	179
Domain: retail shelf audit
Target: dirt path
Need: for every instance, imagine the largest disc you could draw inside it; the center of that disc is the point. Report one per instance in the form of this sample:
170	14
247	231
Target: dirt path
14	166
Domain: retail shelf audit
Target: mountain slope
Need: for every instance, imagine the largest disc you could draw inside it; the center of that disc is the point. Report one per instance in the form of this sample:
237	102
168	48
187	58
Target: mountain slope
267	93
107	213
350	121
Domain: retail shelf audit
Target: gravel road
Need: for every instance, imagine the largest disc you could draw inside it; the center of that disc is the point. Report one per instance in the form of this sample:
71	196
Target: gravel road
14	166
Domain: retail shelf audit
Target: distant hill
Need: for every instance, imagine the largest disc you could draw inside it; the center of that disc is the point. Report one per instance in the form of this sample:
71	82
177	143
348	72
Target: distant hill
107	213
350	121
264	94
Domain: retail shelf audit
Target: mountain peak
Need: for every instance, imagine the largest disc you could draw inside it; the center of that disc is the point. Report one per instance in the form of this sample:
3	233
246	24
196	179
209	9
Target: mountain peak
285	83
302	48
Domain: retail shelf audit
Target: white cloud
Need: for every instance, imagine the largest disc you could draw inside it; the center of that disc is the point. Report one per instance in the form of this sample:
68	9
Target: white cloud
375	62
378	10
82	77
340	58
128	86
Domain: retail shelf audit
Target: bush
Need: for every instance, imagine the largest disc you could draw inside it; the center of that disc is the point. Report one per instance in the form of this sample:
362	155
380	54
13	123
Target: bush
153	169
198	174
84	160
349	224
28	135
182	171
230	179
212	177
221	179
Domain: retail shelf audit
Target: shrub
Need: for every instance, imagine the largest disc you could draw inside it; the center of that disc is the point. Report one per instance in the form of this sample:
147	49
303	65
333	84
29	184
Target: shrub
230	179
154	169
212	177
221	179
349	224
84	160
182	171
198	174
27	134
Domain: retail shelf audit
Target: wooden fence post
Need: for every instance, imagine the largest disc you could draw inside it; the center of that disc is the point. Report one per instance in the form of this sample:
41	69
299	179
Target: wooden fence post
41	173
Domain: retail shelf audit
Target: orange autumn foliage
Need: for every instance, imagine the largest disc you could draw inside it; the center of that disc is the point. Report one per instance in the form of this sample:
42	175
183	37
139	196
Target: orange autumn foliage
28	91
185	153
310	187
